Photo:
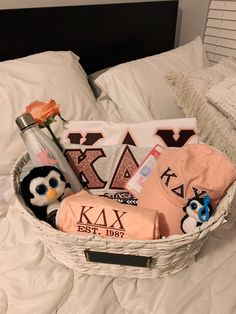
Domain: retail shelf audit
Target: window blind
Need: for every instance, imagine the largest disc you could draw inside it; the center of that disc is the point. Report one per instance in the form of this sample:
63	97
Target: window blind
220	34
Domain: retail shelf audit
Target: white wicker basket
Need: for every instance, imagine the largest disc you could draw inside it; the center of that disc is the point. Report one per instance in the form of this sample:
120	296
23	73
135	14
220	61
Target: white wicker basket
168	256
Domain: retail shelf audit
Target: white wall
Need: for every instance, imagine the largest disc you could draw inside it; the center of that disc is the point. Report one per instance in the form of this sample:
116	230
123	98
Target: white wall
193	20
193	12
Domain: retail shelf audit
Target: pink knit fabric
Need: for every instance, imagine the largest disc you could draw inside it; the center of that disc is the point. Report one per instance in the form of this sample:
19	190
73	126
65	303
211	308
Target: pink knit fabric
96	215
183	175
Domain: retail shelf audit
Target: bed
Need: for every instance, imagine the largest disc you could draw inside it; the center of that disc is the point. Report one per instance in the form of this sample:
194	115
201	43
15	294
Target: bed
61	49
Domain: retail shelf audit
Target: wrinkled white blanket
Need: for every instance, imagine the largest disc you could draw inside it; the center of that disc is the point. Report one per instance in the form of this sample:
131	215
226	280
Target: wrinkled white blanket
31	283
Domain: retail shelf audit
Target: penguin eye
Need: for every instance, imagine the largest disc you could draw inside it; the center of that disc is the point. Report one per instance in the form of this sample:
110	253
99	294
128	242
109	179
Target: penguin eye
53	182
193	205
41	189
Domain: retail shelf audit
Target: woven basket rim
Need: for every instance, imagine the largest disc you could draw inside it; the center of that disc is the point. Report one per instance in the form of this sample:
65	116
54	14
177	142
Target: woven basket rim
24	157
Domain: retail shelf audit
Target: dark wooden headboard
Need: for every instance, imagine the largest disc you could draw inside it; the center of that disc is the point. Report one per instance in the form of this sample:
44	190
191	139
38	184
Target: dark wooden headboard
102	35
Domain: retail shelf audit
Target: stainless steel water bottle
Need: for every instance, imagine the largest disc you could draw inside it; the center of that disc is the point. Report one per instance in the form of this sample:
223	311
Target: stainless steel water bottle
43	151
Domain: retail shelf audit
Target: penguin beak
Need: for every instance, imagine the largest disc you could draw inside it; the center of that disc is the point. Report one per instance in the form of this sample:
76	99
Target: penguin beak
52	194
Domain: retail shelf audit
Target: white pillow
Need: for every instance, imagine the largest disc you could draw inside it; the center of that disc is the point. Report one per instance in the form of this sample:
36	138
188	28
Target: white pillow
42	76
139	88
191	89
114	113
223	96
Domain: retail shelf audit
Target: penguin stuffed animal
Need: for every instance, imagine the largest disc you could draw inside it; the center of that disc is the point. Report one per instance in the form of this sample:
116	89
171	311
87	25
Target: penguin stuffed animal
198	210
42	189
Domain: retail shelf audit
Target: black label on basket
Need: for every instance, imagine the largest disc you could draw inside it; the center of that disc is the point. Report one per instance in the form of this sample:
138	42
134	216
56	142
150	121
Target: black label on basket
120	259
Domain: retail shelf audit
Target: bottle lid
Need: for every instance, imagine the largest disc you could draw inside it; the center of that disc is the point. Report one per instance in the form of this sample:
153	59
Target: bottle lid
25	120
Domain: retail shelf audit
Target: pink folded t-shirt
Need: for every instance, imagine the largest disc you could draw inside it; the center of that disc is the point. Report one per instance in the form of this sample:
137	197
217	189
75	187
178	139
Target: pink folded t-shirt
90	214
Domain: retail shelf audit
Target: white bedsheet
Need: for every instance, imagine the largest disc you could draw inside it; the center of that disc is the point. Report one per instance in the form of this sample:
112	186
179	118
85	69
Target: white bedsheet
30	283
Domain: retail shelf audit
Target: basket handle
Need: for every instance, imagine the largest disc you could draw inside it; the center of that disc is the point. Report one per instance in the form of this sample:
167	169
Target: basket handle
118	259
231	216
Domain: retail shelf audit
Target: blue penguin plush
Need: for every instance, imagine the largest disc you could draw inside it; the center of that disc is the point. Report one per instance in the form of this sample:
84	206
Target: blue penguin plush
42	189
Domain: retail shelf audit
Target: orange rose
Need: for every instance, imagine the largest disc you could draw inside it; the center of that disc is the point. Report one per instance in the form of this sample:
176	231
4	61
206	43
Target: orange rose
42	111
